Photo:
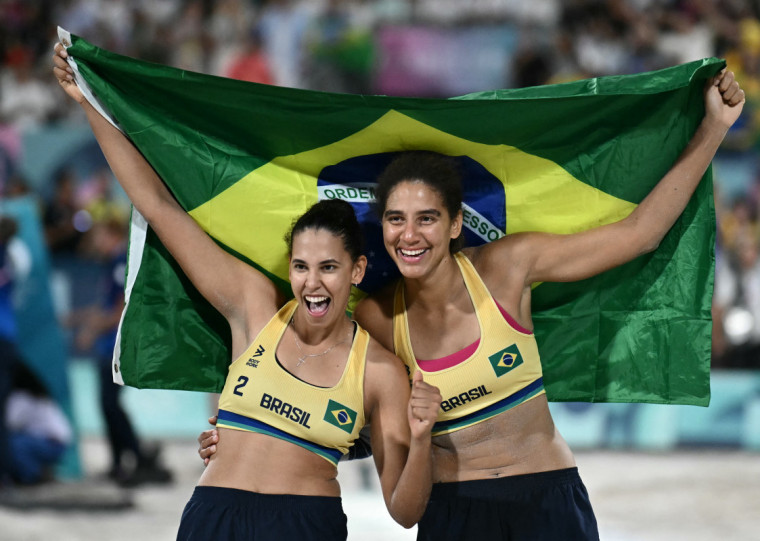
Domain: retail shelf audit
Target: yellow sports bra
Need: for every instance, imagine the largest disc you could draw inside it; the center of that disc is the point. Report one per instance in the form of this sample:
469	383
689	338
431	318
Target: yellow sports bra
503	372
259	395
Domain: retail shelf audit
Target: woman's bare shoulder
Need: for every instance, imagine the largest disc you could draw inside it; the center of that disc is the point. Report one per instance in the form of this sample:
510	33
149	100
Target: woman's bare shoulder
375	313
385	372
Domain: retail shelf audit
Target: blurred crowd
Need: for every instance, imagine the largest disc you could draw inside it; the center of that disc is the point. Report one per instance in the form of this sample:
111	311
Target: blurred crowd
336	45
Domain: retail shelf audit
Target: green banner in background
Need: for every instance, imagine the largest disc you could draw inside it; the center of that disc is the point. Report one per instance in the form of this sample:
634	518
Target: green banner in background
245	159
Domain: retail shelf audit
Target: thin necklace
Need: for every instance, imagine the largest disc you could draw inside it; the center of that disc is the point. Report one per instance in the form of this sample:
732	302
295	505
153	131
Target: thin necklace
302	358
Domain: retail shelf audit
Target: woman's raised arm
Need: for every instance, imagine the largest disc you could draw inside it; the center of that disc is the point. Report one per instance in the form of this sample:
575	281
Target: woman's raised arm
221	278
542	257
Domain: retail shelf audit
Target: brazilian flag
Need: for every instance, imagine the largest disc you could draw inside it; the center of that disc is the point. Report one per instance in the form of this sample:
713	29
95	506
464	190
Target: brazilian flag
340	416
246	159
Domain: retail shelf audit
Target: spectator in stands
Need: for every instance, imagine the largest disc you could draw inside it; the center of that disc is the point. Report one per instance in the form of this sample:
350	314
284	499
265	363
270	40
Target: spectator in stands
737	299
132	463
39	431
8	335
25	101
250	63
61	235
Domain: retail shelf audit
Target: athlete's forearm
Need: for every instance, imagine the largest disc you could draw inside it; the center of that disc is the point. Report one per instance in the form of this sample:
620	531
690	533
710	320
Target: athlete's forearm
661	208
142	185
410	497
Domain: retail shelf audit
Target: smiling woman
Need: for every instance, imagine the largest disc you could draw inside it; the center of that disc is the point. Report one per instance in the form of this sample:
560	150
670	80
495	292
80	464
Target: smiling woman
304	378
462	316
307	276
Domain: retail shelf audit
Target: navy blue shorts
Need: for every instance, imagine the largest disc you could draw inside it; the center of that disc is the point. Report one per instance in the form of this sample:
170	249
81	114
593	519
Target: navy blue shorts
545	506
230	514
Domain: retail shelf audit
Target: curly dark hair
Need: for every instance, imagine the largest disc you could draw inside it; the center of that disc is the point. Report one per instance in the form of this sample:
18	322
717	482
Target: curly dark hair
438	171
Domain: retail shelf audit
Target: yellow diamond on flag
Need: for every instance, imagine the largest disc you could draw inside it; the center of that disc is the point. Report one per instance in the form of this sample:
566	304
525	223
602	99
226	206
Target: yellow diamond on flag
540	195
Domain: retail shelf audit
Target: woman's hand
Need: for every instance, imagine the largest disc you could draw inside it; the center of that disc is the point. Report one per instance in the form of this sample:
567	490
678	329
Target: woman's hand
424	403
724	99
65	74
207	441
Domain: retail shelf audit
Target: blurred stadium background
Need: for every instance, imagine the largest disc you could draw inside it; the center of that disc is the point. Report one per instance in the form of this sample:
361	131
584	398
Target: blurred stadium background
653	472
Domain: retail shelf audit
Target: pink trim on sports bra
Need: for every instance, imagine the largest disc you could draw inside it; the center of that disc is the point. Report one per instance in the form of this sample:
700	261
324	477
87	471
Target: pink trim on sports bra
436	365
514	324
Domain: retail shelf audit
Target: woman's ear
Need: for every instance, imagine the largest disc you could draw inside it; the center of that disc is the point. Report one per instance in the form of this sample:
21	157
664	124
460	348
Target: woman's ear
357	273
456	225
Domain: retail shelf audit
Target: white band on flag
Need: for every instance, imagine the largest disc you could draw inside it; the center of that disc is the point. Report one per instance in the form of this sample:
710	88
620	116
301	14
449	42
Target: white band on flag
479	224
356	192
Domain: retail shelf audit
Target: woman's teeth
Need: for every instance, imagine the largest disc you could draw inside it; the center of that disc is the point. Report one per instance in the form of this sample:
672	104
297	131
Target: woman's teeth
411	253
317	304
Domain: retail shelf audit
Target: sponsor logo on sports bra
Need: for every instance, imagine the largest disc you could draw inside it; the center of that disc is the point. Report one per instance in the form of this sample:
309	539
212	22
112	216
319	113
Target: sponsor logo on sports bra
253	361
505	360
341	416
297	415
462	398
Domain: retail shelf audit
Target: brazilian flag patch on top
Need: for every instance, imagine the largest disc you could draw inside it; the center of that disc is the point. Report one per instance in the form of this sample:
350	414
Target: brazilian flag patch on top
341	416
505	360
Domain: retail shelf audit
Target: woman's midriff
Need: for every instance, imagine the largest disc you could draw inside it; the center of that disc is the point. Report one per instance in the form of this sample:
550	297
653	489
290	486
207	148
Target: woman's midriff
267	465
518	441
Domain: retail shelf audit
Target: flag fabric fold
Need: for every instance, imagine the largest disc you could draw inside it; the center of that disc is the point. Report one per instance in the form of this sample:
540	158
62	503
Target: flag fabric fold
245	159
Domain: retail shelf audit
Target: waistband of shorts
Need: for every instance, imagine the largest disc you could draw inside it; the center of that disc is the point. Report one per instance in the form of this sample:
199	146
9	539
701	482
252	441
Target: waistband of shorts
265	502
508	486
